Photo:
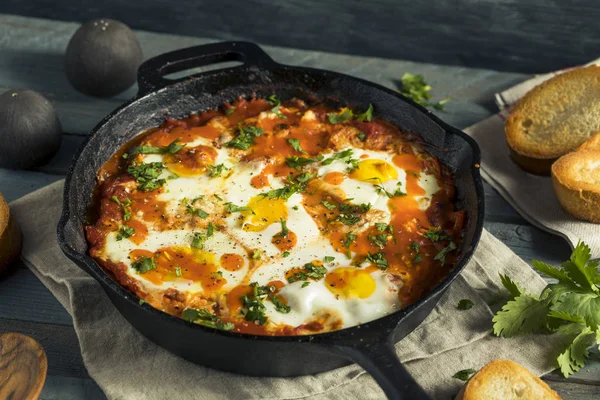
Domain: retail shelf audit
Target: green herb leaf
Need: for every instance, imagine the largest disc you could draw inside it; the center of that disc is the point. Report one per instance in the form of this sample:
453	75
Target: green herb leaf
379	240
146	175
328	205
231	208
230	110
348	239
415	88
245	138
310	270
378	259
206	318
415	246
284	229
417	259
339	156
172	148
285	254
362	137
524	314
198	240
143	265
366	116
328	259
279	305
125	232
465	304
513	288
441	256
178	272
256	255
216	170
335	118
295	143
305	284
436	235
274	101
350	213
464	374
300	162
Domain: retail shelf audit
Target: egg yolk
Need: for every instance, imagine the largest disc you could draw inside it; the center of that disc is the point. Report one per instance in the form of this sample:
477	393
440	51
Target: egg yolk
191	161
264	212
350	282
374	171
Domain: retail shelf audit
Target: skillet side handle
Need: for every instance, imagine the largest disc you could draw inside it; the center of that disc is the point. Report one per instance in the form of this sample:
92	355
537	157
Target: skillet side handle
381	362
151	73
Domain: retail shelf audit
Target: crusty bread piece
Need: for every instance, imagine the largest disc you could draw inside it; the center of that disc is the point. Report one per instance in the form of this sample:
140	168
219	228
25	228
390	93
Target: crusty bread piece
576	181
505	380
592	143
554	118
10	238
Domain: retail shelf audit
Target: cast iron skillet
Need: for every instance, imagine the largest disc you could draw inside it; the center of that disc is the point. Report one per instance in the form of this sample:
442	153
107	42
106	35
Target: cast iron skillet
371	345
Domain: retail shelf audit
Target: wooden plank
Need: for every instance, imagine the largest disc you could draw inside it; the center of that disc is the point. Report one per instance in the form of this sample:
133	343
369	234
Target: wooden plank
572	390
63	388
59	341
505	35
14	184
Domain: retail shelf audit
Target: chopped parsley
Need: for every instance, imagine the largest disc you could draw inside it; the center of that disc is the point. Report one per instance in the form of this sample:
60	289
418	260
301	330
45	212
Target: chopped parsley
305	284
436	235
217	197
284	229
146	175
231	208
253	302
464	304
142	302
198	240
195	211
125	232
339	156
143	265
300	162
417	259
310	270
441	256
210	230
283	193
379	240
279	305
172	148
348	239
378	259
178	272
230	110
256	255
205	318
366	116
274	101
295	143
335	118
328	259
216	170
286	254
350	214
245	138
362	137
415	88
464	374
125	206
415	246
328	205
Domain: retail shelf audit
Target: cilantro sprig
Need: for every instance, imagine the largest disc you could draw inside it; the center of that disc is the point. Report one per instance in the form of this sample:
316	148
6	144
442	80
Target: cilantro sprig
206	318
172	148
245	138
570	307
415	88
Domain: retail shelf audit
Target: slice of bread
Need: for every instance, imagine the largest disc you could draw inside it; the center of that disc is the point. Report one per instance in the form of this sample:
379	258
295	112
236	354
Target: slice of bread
592	143
505	380
576	181
554	118
10	238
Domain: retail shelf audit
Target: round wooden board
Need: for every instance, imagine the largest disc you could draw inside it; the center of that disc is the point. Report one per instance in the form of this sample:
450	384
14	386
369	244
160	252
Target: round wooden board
23	367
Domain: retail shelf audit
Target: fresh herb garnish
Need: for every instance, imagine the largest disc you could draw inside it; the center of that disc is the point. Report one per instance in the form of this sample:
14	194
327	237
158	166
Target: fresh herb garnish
335	118
464	304
417	259
125	206
253	302
348	239
571	307
142	302
198	240
125	232
362	137
305	284
172	148
366	116
245	138
310	270
339	156
299	162
441	256
256	255
295	143
328	259
464	374
350	214
216	170
217	197
178	272
195	211
231	208
328	205
379	240
284	229
274	101
415	246
205	318
436	235
415	88
210	230
382	227
147	175
285	254
230	110
143	265
279	305
378	259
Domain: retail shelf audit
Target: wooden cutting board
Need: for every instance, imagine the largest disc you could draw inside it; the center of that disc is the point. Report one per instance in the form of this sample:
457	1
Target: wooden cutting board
23	367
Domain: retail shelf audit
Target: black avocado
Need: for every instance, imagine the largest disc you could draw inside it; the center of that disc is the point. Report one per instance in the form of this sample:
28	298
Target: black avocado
30	132
102	58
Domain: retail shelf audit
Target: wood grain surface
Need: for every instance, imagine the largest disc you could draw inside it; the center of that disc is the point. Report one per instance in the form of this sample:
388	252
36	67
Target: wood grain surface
23	367
507	35
31	56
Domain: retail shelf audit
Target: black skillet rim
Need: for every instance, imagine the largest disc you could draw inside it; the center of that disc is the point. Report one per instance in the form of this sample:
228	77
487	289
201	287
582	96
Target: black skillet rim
385	324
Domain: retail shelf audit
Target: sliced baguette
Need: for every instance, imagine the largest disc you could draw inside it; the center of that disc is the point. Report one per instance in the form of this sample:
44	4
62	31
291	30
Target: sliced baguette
592	143
505	380
576	181
10	238
554	118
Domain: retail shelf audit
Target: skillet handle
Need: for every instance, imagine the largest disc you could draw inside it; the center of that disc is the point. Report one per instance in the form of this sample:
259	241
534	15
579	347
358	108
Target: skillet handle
379	359
151	72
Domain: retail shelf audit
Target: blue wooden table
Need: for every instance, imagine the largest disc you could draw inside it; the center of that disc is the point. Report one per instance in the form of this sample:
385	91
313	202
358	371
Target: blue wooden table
31	56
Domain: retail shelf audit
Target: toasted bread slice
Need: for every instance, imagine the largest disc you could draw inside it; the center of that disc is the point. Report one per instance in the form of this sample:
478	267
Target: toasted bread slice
592	143
10	238
505	380
576	181
554	119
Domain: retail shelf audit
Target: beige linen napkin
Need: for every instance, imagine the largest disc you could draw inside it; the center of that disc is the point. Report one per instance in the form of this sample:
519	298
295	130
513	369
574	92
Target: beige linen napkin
531	195
128	366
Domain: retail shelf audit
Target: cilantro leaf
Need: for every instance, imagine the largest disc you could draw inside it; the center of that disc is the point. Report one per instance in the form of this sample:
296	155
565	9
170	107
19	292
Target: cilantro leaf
279	305
335	118
441	256
575	355
436	235
172	148
143	265
206	318
464	374
328	205
299	162
348	239
551	271
125	232
366	116
415	88
464	304
339	156
378	259
295	143
524	314
231	208
284	229
245	138
585	305
216	170
513	288
274	101
146	175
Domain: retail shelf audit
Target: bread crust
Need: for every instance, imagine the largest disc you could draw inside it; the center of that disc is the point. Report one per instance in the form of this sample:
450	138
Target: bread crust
10	239
578	194
507	380
548	98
